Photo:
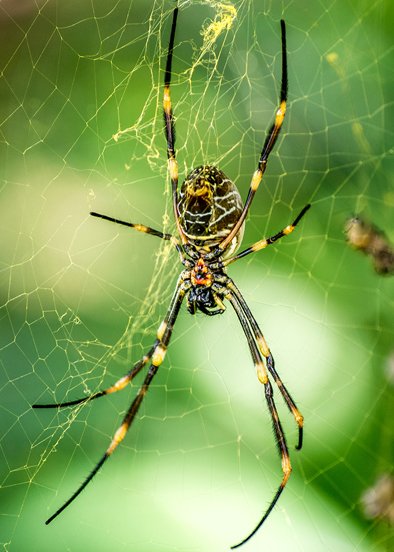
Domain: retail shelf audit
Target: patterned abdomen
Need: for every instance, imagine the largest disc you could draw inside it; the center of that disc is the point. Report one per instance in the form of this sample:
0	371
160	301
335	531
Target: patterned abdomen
209	205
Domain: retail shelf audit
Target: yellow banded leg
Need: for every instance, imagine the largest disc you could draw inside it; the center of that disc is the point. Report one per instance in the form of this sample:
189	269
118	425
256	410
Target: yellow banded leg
262	244
117	386
285	460
169	128
299	418
156	356
264	349
139	227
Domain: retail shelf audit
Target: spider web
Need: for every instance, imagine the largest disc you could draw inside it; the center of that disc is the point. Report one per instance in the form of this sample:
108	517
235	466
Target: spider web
81	129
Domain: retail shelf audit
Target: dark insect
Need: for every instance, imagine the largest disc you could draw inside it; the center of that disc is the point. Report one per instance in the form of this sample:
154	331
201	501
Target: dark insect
210	217
373	242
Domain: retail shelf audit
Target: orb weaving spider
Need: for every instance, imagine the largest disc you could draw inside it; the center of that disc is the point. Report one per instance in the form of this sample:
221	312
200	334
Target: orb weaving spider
209	216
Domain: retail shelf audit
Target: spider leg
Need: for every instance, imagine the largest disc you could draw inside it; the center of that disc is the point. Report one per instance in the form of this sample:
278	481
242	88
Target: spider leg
277	426
117	386
159	350
146	230
169	128
268	145
261	244
265	351
138	227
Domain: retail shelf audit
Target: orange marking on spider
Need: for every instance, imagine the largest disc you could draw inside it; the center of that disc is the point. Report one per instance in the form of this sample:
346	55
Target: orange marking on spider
200	275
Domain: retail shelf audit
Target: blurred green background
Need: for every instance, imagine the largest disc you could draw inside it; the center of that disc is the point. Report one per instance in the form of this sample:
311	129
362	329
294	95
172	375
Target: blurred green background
81	130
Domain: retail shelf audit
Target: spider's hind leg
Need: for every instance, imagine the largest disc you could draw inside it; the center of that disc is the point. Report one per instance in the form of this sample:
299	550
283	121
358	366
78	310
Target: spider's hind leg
277	426
155	357
165	327
117	386
265	351
299	418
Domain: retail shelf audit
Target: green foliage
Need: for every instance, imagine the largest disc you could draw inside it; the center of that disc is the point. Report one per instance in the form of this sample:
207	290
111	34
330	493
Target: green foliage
80	130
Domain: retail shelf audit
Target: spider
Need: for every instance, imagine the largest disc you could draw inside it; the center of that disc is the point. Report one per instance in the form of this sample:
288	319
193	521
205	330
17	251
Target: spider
210	217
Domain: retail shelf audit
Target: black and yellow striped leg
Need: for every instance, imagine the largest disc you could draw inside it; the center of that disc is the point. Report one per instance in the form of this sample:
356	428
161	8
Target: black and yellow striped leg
268	145
169	128
117	386
138	227
261	244
146	230
118	437
299	418
159	350
286	465
278	430
265	351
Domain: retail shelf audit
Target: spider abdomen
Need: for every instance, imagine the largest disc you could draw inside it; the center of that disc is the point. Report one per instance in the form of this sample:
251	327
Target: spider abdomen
209	205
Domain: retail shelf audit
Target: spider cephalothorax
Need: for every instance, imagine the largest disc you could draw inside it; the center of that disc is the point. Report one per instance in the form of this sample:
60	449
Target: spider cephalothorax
200	274
210	217
205	293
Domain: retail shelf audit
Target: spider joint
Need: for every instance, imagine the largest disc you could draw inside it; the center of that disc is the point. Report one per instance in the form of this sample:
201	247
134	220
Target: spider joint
262	373
118	437
286	467
158	355
161	330
256	179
